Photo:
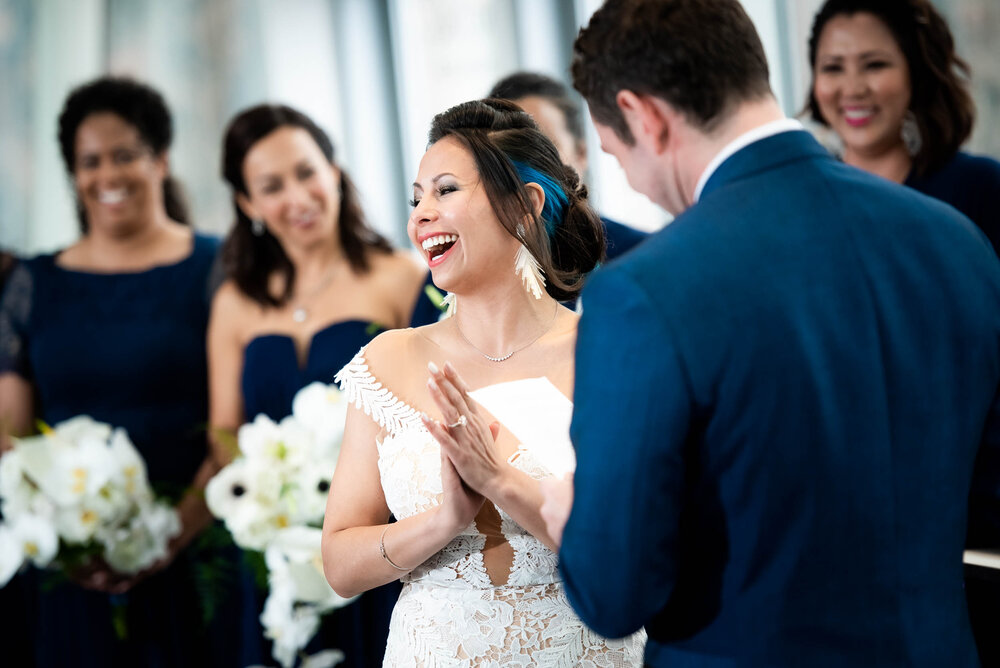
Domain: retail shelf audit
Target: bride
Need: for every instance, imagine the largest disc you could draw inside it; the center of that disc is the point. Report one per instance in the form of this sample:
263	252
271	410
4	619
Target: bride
504	227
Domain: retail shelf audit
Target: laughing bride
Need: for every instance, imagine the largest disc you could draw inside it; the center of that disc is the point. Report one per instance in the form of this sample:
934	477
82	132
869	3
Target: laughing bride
506	229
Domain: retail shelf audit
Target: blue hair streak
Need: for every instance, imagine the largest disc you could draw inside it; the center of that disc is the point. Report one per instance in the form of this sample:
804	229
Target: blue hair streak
555	197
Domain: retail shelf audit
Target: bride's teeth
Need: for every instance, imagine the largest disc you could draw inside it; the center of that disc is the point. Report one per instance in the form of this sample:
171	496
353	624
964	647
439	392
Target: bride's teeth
438	240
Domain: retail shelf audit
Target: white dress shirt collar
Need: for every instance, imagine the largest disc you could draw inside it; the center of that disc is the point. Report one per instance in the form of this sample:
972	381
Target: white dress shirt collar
745	139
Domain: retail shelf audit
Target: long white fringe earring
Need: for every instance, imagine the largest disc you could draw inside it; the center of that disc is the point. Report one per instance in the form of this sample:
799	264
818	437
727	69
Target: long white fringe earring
450	302
526	266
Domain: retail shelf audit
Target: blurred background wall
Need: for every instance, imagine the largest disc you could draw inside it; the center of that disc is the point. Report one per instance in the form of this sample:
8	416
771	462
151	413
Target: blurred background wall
371	72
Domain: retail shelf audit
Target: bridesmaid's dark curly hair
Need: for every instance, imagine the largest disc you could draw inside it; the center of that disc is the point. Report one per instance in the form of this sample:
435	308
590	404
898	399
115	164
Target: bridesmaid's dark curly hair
498	133
137	104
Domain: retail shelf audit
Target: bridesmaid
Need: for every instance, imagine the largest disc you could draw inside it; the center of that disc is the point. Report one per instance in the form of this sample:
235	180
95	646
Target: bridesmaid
308	284
114	327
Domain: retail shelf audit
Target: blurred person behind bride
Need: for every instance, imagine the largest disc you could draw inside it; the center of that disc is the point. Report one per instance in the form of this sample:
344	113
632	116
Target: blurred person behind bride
506	229
308	282
114	327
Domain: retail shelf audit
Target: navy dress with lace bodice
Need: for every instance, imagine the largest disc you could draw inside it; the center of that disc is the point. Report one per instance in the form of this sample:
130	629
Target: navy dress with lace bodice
127	349
271	377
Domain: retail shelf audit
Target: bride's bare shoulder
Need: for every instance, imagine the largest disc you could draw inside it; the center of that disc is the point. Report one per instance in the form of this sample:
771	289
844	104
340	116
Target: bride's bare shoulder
399	353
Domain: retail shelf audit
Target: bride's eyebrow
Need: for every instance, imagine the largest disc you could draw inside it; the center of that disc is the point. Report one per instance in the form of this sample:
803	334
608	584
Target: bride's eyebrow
435	179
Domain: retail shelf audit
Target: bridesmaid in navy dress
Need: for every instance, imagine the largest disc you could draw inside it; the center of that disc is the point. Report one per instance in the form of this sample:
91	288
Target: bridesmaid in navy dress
308	283
114	327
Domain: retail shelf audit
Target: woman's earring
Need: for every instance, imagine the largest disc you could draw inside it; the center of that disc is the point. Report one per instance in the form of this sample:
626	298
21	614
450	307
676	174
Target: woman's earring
257	227
526	266
450	303
910	134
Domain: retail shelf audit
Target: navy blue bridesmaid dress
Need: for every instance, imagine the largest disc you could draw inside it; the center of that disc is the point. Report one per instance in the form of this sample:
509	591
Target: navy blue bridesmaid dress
127	349
271	377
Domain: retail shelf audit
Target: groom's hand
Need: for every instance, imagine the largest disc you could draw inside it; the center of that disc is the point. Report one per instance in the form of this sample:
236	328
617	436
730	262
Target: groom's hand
557	501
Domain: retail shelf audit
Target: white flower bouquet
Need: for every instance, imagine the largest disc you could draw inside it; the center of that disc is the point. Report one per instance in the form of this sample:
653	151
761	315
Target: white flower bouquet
76	492
272	497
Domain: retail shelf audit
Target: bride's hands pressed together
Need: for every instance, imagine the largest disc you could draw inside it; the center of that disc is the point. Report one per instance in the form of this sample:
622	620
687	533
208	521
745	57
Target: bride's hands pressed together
461	503
466	439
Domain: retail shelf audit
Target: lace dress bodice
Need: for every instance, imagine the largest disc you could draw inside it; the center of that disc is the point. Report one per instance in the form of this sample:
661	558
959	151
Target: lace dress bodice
455	609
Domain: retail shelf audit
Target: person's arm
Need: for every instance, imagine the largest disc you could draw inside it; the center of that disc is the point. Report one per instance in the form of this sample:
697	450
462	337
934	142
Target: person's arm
225	365
618	556
357	516
16	408
405	285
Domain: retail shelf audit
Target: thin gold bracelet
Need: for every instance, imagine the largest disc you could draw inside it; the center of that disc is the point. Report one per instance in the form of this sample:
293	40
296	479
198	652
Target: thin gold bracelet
381	548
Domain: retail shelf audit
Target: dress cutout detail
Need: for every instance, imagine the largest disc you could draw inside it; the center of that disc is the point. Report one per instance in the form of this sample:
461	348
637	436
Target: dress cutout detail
449	612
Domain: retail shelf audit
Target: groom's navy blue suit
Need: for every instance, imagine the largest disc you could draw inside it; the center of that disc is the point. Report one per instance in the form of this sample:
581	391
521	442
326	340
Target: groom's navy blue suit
779	401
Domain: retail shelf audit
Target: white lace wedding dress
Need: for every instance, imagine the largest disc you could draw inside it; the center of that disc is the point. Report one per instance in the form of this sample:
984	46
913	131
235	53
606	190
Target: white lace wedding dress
467	606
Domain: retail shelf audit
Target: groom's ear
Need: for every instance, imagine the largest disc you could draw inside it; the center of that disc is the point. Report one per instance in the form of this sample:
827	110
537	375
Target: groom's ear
648	118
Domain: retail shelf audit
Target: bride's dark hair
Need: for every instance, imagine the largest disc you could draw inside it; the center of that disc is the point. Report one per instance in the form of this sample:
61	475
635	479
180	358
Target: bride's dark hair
567	239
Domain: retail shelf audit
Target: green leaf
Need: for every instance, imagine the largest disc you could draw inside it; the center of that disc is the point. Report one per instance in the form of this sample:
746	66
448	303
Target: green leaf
119	619
435	296
227	439
213	573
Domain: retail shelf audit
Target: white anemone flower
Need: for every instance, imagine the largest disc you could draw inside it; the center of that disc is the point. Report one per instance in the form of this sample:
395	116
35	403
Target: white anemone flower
247	497
322	409
36	538
229	489
11	555
312	486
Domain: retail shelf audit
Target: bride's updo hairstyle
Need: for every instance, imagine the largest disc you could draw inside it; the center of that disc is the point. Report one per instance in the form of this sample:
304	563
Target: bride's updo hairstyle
567	239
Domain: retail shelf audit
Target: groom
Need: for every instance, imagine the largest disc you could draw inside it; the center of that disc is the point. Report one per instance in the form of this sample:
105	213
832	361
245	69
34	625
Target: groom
780	397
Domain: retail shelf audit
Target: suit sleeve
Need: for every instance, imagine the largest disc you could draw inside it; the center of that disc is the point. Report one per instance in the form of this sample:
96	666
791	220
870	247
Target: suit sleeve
630	422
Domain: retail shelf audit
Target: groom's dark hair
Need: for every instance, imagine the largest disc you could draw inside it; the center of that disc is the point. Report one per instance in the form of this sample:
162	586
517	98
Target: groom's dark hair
700	56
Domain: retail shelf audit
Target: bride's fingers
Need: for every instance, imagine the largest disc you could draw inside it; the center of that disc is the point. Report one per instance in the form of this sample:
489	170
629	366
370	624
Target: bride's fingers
438	431
452	374
451	390
449	411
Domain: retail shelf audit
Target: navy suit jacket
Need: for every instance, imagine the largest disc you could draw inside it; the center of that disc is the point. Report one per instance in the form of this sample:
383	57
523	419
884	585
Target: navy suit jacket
620	238
779	399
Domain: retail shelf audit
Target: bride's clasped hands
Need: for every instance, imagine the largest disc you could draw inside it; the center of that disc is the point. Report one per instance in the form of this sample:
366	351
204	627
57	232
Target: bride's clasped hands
469	461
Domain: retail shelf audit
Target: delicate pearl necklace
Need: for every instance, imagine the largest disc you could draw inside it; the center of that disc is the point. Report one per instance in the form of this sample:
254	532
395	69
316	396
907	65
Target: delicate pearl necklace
301	312
503	358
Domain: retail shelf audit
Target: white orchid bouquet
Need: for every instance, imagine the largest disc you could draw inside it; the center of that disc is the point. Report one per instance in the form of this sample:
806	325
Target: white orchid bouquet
76	492
272	497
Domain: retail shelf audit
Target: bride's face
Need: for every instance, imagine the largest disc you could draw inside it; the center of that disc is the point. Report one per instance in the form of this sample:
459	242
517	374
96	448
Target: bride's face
453	224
